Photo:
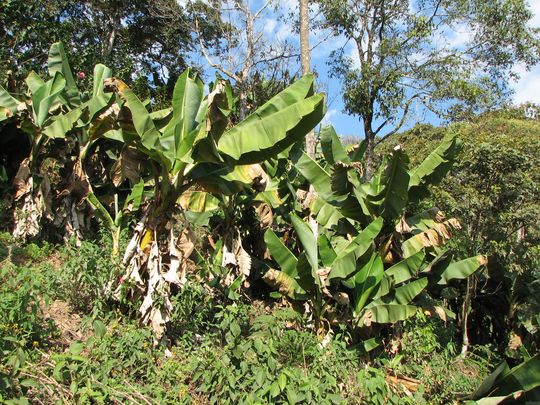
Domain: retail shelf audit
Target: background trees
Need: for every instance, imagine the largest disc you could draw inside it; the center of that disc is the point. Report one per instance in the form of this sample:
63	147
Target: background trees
404	53
138	44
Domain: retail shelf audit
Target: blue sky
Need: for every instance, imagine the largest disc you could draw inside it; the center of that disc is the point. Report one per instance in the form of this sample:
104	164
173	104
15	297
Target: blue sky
278	30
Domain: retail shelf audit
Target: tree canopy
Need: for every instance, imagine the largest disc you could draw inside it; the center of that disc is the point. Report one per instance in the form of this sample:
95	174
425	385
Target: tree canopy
452	56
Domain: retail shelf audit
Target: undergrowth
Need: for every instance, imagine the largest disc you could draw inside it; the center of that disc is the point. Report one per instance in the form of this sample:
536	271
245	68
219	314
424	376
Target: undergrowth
221	351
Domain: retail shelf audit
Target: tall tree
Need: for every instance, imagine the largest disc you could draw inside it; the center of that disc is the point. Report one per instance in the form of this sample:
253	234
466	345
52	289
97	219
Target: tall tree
452	56
305	59
243	51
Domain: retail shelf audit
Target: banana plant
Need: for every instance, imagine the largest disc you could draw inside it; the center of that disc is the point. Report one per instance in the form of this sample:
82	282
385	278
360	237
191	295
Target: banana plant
196	147
378	260
48	111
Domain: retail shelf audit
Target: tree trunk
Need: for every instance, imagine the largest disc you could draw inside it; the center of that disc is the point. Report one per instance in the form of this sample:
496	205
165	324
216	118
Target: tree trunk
369	155
305	60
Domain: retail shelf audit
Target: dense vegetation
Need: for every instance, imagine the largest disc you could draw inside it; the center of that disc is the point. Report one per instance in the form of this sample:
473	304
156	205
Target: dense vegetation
253	272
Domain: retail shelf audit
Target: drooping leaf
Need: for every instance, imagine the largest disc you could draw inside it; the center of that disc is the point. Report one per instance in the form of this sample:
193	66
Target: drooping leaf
366	281
332	148
316	176
407	268
284	283
388	313
345	264
461	269
8	104
432	170
406	293
281	254
62	124
280	122
309	243
198	201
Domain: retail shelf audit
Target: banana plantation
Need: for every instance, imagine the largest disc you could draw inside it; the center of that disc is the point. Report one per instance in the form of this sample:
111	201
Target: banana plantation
181	252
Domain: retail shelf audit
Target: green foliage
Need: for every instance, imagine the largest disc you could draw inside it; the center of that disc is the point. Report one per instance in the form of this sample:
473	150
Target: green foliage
493	191
84	279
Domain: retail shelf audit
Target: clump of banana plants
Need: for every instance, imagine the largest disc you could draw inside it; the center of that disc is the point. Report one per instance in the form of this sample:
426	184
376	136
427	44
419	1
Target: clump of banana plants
63	123
194	146
360	256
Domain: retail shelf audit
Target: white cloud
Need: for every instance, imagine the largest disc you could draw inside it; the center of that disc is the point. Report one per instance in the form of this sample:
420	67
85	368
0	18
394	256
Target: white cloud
269	25
332	113
535	8
528	86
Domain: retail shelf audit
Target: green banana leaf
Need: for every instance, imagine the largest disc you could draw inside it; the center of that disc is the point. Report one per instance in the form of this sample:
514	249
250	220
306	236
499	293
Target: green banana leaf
386	194
34	82
62	124
461	269
45	96
326	251
345	264
332	148
309	243
407	268
283	120
365	282
7	103
286	260
99	99
316	176
504	382
58	63
433	169
388	313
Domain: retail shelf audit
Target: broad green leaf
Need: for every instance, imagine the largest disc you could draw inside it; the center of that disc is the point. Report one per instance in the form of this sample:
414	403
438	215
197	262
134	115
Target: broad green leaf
433	169
326	251
406	268
386	194
7	102
187	98
388	313
309	243
344	265
286	260
34	82
62	124
406	293
524	377
332	148
99	99
327	215
283	120
45	96
58	63
461	269
488	384
316	176
144	125
366	281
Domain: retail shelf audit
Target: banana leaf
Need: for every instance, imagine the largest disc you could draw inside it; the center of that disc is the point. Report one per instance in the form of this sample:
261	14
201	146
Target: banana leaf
365	282
433	169
332	148
58	62
283	120
286	260
345	264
